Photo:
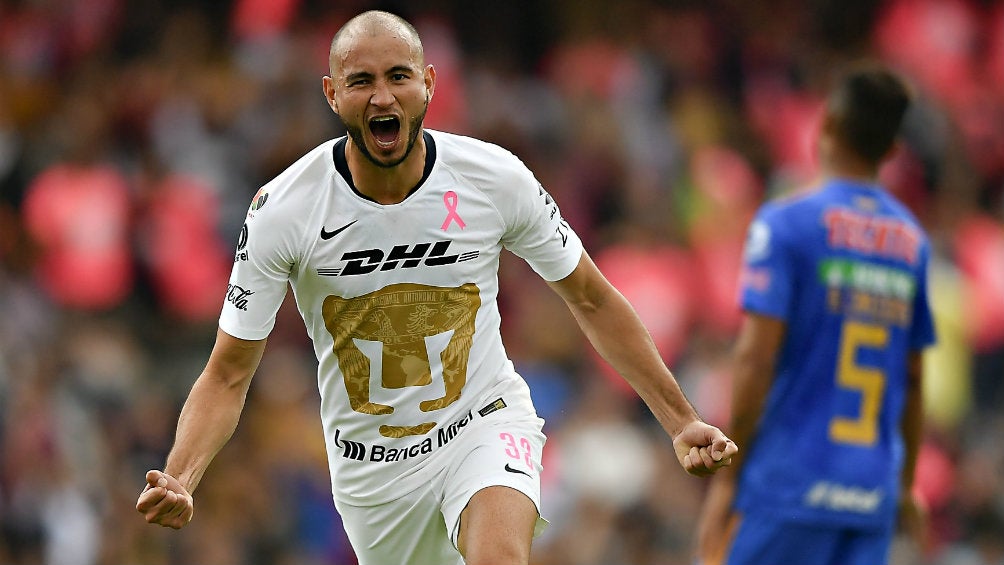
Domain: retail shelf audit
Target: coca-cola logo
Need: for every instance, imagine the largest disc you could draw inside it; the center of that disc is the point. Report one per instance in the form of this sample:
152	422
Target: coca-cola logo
238	296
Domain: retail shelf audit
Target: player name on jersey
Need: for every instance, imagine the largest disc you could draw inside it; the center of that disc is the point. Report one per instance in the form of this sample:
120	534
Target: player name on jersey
873	235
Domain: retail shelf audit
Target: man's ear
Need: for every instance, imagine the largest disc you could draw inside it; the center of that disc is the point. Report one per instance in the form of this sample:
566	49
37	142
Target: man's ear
328	87
430	82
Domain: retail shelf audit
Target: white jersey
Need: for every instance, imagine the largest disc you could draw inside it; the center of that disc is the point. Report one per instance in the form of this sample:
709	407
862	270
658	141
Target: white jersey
399	300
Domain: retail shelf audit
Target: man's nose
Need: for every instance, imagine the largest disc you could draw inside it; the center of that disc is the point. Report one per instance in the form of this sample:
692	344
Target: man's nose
382	95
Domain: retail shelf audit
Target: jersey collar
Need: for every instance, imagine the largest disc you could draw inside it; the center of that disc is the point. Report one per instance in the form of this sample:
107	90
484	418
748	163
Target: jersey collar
342	164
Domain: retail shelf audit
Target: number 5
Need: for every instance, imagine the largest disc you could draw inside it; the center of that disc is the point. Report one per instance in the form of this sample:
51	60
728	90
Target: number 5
870	382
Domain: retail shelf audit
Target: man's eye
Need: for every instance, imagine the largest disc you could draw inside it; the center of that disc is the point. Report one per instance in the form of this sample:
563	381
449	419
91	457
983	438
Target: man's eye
399	76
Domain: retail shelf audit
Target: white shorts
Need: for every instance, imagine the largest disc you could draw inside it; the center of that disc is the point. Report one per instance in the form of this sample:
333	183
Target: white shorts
421	527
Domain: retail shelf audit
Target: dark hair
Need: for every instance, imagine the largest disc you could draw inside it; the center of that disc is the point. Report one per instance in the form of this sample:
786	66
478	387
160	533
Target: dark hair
866	109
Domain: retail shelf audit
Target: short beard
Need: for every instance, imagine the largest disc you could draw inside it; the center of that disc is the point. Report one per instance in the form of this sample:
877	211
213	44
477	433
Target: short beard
414	128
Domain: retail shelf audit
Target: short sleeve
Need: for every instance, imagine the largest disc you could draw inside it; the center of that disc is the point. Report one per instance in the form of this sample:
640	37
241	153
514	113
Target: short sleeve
259	279
536	231
766	284
922	332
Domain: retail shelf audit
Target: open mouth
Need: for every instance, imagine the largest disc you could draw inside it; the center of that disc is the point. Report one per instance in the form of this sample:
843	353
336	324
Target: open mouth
385	130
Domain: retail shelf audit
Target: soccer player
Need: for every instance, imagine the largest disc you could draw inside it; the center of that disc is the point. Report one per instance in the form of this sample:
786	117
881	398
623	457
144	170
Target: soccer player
827	390
390	238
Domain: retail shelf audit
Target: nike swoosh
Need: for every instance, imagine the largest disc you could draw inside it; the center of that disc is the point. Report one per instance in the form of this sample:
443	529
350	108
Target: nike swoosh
326	235
511	470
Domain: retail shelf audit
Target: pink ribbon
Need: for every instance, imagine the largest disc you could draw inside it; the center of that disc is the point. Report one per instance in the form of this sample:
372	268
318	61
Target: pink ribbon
450	199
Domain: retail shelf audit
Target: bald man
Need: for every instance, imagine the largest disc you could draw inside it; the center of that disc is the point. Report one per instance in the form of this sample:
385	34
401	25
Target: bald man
390	238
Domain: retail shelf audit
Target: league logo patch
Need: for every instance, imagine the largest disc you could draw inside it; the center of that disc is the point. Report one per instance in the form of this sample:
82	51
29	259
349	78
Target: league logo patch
757	242
258	201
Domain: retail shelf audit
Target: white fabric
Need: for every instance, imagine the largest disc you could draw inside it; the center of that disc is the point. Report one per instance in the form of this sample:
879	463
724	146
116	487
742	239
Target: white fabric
422	526
407	327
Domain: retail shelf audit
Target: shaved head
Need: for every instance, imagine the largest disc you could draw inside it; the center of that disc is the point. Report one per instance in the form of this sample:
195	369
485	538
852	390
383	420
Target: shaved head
372	24
380	87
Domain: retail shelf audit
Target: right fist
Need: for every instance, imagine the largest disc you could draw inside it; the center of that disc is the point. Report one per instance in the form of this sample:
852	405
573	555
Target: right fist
164	501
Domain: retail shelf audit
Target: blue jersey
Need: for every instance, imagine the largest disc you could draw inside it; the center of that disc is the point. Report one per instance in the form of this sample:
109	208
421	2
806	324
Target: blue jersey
845	268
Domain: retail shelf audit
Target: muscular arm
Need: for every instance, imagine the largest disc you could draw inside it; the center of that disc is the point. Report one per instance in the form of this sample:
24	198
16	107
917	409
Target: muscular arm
208	419
613	327
213	407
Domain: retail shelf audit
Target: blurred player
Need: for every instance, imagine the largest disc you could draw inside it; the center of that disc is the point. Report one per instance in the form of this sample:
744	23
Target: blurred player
390	238
827	391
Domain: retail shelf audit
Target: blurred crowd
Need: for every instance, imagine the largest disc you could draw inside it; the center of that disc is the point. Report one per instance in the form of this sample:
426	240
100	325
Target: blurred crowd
133	134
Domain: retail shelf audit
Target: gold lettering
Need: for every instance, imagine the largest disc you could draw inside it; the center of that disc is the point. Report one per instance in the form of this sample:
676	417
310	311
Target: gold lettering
882	309
835	298
861	303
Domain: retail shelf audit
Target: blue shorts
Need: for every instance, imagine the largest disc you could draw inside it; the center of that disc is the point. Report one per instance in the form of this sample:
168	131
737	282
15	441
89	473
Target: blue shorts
765	541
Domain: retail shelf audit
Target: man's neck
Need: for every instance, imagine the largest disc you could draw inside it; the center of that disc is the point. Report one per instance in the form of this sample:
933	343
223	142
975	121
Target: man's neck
386	185
850	168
